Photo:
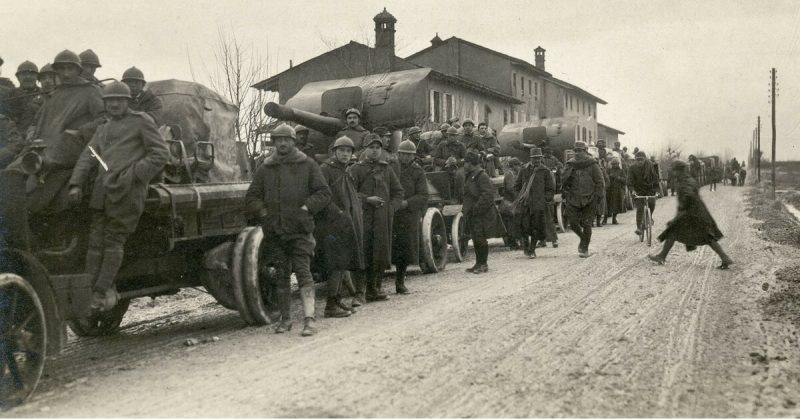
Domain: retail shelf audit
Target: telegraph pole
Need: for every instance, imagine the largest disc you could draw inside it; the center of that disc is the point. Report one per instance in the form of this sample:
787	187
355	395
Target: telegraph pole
773	132
758	142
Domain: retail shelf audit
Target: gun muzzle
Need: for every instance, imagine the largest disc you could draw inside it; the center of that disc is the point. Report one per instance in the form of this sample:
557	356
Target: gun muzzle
31	163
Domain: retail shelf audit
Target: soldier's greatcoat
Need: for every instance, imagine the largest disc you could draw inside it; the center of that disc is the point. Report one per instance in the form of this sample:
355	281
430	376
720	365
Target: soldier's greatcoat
406	228
481	216
149	103
339	228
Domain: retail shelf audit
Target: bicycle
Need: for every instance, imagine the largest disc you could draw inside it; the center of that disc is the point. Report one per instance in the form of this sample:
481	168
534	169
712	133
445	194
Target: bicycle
646	228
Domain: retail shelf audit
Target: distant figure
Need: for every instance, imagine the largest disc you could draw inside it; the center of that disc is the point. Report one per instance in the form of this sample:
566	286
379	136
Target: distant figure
736	177
693	225
742	175
583	187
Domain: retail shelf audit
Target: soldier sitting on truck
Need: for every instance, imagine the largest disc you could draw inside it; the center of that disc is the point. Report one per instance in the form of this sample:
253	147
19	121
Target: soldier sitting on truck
424	149
127	152
354	130
142	100
449	156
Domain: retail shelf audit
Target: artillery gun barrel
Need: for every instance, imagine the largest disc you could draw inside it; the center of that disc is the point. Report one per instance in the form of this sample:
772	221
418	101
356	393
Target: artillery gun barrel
325	124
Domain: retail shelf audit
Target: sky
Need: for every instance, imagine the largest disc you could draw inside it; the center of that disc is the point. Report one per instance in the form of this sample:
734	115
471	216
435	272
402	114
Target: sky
692	74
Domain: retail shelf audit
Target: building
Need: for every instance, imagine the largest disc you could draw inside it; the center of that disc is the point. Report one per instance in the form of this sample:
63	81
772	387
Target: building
542	95
611	135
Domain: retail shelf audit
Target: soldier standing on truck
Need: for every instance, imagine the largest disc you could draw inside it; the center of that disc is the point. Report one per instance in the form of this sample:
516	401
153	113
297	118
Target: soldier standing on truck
583	188
90	62
354	130
287	190
449	155
142	100
128	152
405	230
424	148
48	79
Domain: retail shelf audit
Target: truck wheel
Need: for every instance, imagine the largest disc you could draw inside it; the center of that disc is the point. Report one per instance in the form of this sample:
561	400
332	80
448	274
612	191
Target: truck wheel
458	238
236	270
23	344
251	255
101	324
218	281
434	242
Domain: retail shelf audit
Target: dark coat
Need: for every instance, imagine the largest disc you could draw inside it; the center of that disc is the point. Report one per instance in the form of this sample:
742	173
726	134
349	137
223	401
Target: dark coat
583	181
406	228
357	134
376	178
339	228
693	225
11	141
447	149
149	103
135	153
481	216
25	105
536	188
615	194
280	187
642	178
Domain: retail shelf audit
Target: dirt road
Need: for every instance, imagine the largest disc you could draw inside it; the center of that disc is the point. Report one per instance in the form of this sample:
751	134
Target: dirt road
612	335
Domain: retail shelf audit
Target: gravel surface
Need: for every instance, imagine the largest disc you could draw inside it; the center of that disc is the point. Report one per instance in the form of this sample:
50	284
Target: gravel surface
611	335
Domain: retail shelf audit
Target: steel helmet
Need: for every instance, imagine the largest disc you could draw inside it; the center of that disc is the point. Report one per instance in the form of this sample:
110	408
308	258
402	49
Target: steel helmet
27	67
452	131
437	135
444	127
343	141
407	146
468	121
352	110
47	69
116	89
90	58
414	130
67	57
300	128
133	73
372	138
283	130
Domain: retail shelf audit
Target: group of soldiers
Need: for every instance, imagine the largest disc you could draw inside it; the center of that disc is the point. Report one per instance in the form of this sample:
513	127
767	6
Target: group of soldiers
74	142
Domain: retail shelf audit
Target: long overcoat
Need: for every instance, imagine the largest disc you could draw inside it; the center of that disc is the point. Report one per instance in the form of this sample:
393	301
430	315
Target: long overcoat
339	228
147	102
481	216
615	194
693	225
134	152
535	186
376	178
406	228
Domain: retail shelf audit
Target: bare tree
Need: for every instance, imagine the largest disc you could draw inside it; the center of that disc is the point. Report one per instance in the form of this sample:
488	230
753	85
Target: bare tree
236	68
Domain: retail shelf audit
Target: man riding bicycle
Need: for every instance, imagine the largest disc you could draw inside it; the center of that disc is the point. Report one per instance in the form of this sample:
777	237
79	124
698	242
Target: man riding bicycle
644	181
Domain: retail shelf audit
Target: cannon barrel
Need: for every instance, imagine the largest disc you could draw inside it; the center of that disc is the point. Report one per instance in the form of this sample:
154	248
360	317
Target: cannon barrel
325	124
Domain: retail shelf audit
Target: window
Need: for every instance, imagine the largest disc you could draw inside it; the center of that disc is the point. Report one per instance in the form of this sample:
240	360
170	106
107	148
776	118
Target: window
571	103
448	106
522	85
515	84
536	91
505	116
476	113
487	112
566	101
577	133
590	136
584	133
436	106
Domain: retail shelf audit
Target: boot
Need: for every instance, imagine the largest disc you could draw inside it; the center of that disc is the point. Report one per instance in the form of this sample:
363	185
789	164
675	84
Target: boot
400	281
657	259
532	254
307	295
605	219
334	309
350	308
308	327
104	300
374	287
726	260
112	261
598	222
283	299
360	285
614	219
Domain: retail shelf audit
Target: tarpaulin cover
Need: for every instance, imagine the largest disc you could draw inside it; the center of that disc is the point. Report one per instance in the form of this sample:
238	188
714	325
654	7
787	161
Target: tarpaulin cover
203	115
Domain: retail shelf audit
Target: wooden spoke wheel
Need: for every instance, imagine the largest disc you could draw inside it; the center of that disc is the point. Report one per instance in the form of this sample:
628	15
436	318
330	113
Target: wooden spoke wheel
251	255
103	323
434	242
23	340
458	237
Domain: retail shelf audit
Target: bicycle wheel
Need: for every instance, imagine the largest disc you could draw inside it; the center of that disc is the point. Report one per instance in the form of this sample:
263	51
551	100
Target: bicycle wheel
648	222
642	227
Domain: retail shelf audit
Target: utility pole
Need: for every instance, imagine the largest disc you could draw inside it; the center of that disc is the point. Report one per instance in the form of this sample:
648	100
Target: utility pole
758	142
773	132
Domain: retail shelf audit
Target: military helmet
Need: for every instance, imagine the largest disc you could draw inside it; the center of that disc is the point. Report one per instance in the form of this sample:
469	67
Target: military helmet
468	121
536	152
47	69
407	146
90	58
300	128
352	110
414	130
472	158
283	130
27	67
580	145
343	141
678	165
444	127
133	73
372	138
452	131
437	135
67	57
116	89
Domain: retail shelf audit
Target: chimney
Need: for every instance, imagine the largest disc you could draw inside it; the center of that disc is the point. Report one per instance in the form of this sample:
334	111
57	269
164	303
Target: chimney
539	51
384	30
436	41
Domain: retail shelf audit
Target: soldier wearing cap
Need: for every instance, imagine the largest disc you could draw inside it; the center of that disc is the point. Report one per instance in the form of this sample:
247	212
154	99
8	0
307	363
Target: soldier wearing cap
25	101
142	100
405	230
381	194
535	187
90	62
340	231
583	188
354	130
479	211
302	141
644	182
287	190
127	152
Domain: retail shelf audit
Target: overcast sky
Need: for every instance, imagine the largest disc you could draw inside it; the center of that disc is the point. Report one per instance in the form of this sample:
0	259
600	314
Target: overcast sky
691	72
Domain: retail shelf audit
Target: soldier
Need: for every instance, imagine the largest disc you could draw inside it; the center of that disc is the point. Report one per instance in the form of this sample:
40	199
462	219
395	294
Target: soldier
287	190
387	155
90	62
470	139
405	230
11	141
443	130
340	229
25	100
641	179
616	189
449	156
535	187
381	194
354	130
556	168
142	100
48	79
128	152
507	213
491	148
436	139
743	175
302	141
583	187
424	148
479	211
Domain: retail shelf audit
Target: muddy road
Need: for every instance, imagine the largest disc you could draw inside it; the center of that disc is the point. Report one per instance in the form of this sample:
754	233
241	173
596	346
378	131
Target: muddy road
611	335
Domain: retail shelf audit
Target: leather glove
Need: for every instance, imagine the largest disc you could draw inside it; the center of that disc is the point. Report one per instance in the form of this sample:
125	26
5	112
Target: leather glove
74	196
